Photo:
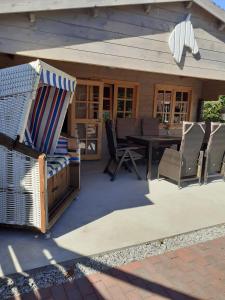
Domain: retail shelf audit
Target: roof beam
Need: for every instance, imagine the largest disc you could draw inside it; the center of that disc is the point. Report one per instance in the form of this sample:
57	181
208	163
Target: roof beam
94	12
32	17
147	8
221	26
189	4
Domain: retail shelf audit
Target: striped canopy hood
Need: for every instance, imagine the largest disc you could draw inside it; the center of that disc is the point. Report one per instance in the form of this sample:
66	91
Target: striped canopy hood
37	96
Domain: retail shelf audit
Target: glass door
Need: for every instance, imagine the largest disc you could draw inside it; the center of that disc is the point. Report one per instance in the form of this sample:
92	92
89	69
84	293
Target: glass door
85	118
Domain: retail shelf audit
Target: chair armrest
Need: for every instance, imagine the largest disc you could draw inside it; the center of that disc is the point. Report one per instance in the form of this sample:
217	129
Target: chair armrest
73	143
170	164
171	155
9	143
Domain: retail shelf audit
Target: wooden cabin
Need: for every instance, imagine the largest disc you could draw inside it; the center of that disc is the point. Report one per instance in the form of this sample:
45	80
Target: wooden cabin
128	56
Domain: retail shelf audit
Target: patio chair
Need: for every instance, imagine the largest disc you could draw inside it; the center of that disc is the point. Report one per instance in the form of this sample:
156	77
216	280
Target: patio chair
215	153
39	175
150	126
120	156
129	127
126	127
185	164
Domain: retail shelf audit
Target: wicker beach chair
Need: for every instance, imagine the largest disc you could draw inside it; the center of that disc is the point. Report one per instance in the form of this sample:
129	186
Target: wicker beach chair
39	176
186	164
215	153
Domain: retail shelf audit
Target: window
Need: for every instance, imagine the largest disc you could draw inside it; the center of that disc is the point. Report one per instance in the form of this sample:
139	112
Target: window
85	117
172	104
87	101
126	101
95	101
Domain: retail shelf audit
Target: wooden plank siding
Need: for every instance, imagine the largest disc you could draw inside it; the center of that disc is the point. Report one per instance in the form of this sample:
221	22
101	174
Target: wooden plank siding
122	37
147	81
213	89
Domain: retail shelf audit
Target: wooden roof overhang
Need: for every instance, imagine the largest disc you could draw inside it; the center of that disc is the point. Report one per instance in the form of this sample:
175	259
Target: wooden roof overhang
22	6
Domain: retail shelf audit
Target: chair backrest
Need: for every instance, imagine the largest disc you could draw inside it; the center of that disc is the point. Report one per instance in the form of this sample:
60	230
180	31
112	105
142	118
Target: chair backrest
111	137
46	117
216	148
150	126
127	126
34	99
192	138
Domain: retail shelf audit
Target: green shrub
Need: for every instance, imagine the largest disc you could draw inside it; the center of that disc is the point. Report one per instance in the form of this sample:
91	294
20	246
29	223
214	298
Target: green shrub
212	110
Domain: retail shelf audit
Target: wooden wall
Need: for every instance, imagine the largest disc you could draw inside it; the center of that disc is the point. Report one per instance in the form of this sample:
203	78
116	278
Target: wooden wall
213	89
146	80
120	37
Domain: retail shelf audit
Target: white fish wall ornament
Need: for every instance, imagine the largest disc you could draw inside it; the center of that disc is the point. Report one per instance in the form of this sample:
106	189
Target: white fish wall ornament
183	36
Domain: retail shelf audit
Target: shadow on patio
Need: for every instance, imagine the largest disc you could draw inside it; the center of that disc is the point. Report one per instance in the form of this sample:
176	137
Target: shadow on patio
100	197
137	280
114	215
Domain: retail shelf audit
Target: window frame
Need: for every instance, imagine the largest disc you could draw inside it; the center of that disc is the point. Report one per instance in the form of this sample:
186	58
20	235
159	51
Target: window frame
126	85
73	122
173	89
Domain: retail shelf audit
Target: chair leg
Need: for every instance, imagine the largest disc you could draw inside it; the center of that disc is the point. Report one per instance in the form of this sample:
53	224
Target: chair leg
118	167
179	184
200	167
127	167
135	166
206	171
107	166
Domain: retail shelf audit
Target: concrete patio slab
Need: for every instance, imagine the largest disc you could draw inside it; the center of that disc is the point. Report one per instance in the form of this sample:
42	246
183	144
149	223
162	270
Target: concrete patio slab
111	215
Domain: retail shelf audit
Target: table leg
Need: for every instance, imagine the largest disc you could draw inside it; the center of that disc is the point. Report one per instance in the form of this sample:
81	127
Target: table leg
149	162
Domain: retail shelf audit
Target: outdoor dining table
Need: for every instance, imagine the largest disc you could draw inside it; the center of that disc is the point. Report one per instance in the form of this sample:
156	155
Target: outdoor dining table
156	142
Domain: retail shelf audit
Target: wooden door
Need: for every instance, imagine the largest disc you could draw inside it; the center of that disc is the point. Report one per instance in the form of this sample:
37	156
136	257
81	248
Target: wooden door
108	101
85	118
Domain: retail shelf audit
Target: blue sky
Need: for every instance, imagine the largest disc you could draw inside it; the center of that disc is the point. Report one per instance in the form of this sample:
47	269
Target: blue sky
221	3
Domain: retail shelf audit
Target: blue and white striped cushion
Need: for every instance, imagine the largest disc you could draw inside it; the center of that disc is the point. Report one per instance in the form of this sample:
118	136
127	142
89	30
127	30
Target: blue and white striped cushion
56	164
62	146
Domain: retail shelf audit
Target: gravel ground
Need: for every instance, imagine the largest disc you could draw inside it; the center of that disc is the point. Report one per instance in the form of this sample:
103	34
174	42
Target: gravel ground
60	273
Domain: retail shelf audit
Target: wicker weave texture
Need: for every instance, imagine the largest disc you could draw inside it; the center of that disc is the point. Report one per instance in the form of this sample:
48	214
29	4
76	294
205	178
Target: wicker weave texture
13	110
17	89
19	189
17	80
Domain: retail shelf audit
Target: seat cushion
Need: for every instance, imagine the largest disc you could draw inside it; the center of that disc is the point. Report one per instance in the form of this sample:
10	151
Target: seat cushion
62	146
56	164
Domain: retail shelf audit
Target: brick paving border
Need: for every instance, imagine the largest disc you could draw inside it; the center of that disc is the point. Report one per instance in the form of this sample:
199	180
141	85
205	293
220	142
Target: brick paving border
191	273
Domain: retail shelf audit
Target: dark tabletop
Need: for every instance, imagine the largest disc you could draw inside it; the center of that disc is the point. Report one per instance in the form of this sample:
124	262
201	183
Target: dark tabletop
159	138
